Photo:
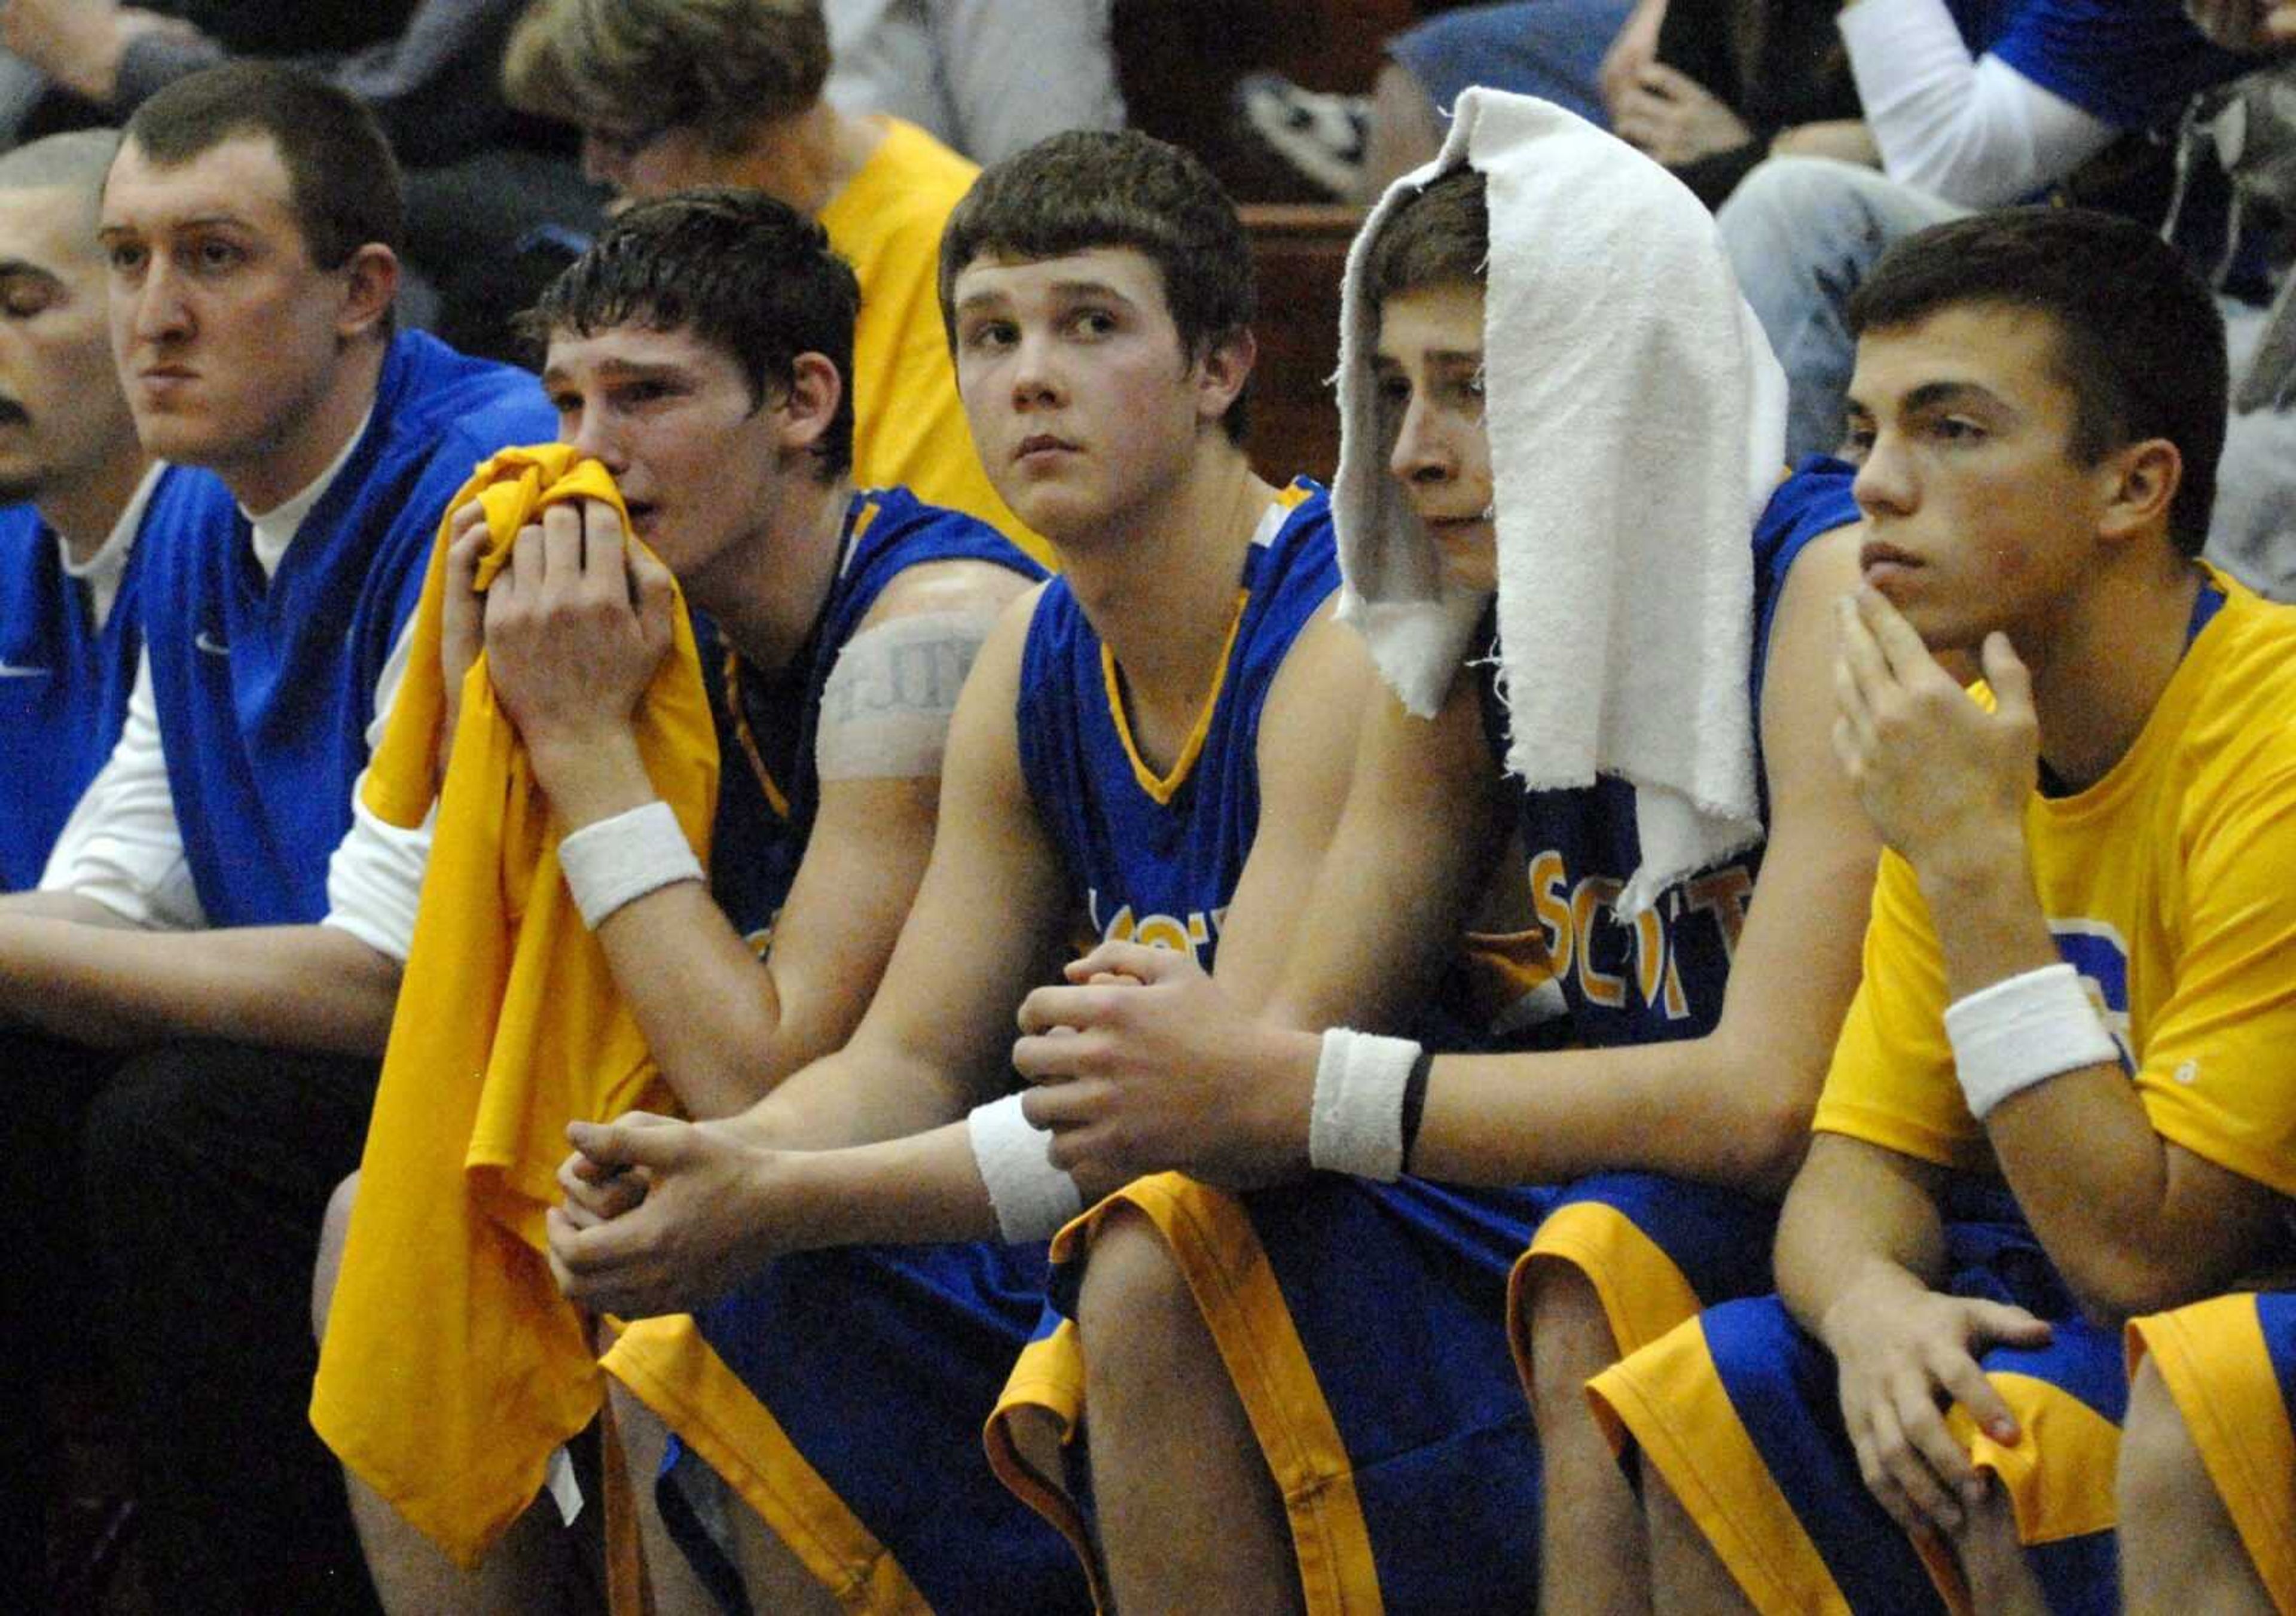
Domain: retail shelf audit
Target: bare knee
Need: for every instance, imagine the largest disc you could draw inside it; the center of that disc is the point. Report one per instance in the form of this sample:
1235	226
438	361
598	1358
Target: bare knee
334	1231
1134	1305
1571	1338
2160	1475
1685	1572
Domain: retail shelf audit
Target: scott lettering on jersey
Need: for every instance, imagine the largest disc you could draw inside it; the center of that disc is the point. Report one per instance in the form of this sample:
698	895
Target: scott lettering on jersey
1663	976
1196	933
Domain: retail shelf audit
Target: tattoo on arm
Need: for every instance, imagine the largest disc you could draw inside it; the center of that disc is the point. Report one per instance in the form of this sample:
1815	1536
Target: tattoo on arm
885	708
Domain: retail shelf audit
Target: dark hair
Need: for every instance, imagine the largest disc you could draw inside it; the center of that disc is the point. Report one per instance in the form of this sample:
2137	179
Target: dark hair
1440	236
342	181
1090	188
721	66
2139	339
741	271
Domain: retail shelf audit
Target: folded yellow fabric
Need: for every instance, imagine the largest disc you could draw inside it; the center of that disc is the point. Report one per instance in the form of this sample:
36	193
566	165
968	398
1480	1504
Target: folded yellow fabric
452	1367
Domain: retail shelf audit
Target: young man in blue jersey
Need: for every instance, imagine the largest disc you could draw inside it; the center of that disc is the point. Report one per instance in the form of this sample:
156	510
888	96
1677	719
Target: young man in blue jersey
2060	1098
699	350
1359	1426
1154	746
175	975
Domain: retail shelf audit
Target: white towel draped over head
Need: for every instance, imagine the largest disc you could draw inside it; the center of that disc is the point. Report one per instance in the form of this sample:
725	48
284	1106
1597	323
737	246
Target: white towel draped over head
1637	419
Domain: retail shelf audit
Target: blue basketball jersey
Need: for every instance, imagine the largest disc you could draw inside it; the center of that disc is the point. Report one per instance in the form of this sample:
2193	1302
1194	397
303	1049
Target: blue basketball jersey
769	789
65	682
1662	977
1155	860
265	687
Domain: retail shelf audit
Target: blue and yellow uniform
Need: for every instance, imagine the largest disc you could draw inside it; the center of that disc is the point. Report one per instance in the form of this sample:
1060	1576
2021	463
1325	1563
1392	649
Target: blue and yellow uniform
1654	1248
2230	1363
838	1392
2168	886
1429	1501
770	788
456	1175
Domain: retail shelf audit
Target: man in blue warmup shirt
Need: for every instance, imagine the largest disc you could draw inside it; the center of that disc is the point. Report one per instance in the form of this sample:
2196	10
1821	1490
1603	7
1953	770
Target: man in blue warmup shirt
175	982
69	629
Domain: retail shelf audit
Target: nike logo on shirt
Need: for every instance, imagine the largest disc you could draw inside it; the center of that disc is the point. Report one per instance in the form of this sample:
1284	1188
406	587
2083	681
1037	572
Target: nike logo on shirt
211	645
10	671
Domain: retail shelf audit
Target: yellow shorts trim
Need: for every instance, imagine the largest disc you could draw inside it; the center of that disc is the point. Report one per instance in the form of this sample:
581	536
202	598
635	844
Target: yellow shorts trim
1217	1252
1643	1293
2212	1357
1668	1399
1043	1403
2059	1474
674	1372
2068	1495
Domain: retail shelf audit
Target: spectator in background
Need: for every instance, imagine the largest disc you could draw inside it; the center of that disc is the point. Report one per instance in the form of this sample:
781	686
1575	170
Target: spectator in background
1556	50
479	179
986	77
1732	83
1969	108
2245	25
1707	87
674	93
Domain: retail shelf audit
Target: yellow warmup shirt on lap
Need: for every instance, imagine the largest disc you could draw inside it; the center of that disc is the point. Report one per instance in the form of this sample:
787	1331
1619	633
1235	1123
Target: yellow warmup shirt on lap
452	1367
908	428
2166	885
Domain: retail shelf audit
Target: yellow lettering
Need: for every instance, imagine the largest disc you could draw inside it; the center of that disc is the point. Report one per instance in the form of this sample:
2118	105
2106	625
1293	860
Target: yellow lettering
1678	1002
1595	893
1550	901
1161	931
1650	953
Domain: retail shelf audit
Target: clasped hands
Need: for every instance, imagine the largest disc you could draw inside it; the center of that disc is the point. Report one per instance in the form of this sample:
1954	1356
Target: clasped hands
1141	1063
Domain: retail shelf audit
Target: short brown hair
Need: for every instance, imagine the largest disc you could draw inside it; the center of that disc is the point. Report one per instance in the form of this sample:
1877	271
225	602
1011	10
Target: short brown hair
1439	236
721	66
745	272
342	181
2139	339
1090	188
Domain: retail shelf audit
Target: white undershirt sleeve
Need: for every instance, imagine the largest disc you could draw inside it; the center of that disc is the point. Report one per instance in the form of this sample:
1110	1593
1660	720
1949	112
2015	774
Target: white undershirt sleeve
1974	131
121	847
1018	71
374	878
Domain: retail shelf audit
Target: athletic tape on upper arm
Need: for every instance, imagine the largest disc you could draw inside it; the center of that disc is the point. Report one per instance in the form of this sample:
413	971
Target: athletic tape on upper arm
885	707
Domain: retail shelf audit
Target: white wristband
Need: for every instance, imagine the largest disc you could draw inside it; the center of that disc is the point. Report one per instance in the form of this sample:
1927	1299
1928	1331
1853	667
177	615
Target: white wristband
2022	1030
1032	1197
616	860
1355	1124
